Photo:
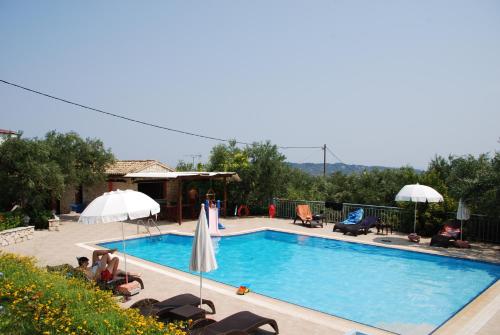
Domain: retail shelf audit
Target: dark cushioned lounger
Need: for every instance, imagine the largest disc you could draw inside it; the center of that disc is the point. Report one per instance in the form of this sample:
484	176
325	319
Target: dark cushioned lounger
361	227
122	280
150	307
239	323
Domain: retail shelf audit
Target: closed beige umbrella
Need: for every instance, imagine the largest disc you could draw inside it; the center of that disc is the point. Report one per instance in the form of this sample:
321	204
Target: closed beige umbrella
463	213
202	253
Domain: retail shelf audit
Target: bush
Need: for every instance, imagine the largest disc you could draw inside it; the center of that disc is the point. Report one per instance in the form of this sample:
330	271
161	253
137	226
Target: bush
40	302
39	218
10	220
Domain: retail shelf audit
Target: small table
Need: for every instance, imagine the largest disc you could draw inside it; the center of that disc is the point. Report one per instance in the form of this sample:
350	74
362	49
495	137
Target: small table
188	312
381	226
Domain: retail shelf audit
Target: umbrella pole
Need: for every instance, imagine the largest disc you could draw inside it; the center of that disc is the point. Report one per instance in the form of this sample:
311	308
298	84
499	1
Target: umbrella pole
124	254
415	221
461	229
201	284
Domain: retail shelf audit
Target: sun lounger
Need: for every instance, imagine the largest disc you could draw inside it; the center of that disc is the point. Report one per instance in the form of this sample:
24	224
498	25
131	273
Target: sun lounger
69	271
448	236
161	309
304	214
353	217
239	323
362	227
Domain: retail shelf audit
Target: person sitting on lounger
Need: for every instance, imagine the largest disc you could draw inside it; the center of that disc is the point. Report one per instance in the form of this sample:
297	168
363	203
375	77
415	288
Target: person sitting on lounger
103	266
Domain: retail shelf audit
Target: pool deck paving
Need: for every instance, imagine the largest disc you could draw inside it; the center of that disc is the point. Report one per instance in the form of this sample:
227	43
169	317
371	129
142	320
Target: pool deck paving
481	316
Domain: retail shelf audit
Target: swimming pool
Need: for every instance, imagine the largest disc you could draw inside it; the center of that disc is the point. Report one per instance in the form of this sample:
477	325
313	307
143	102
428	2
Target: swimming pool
392	289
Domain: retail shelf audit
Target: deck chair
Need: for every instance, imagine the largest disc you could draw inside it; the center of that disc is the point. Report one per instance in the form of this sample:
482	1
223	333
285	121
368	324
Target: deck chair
362	227
448	236
353	217
161	309
239	323
304	214
112	285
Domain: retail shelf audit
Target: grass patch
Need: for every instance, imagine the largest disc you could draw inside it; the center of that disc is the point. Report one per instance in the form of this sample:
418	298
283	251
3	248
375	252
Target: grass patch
35	301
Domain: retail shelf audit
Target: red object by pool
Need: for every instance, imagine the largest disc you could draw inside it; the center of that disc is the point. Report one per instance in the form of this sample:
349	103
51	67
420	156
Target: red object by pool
272	211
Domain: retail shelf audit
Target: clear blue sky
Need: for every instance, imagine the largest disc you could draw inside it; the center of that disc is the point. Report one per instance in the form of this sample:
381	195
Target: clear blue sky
380	82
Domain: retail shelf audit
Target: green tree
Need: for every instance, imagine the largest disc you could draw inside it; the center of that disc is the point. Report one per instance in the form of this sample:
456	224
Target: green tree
185	166
81	161
27	174
262	170
476	180
267	173
33	172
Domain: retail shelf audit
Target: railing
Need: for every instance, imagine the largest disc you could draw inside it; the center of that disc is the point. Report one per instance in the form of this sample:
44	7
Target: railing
479	228
399	218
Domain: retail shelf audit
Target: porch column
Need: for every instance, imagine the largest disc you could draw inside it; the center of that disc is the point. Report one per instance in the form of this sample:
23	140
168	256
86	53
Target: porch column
179	201
225	197
165	197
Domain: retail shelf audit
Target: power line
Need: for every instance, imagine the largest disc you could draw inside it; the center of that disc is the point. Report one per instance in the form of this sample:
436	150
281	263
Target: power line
300	148
334	156
139	121
120	116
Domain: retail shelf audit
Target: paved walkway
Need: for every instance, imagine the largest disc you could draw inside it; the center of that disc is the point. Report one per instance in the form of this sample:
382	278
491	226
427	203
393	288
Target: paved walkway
482	316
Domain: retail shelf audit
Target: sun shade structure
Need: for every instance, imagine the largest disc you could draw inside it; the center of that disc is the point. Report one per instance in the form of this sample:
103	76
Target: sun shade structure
119	206
202	252
418	193
186	176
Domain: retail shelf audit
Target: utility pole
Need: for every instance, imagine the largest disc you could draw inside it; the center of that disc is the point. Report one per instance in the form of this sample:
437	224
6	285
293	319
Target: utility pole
324	160
193	157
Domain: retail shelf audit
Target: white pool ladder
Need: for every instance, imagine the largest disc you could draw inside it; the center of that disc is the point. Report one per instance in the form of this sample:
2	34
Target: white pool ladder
148	225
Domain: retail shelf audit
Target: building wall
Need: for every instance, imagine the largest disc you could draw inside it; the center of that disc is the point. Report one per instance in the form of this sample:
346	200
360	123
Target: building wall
68	198
92	192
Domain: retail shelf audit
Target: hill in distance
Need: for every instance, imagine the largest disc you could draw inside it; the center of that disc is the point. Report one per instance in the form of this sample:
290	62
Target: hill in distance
316	169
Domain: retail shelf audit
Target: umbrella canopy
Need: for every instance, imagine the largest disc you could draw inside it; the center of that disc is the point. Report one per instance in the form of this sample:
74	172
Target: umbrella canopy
418	193
202	252
463	212
119	206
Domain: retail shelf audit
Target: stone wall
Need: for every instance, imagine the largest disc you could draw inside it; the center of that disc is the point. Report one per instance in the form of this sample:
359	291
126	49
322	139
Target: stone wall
16	235
90	193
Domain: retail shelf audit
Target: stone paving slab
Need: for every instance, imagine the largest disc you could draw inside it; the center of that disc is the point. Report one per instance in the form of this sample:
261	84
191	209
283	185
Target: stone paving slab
73	239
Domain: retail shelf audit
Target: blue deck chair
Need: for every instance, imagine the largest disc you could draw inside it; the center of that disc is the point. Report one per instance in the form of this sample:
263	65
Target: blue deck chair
353	217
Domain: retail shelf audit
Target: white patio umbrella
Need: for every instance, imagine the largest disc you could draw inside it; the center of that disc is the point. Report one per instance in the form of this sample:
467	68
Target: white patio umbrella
418	193
463	213
202	252
118	206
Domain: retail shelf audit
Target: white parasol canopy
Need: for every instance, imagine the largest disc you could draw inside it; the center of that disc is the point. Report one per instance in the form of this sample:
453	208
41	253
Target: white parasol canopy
418	193
463	213
119	206
202	253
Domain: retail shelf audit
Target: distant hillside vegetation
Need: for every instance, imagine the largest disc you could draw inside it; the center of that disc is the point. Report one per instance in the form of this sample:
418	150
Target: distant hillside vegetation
316	169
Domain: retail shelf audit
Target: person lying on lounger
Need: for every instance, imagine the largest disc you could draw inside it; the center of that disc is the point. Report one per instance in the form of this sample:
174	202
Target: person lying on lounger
103	266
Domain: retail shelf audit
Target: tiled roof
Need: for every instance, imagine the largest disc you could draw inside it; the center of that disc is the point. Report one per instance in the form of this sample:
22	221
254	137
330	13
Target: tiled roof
121	168
5	131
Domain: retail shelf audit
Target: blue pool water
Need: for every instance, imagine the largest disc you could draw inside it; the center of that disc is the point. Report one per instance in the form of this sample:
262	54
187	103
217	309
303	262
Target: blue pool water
391	289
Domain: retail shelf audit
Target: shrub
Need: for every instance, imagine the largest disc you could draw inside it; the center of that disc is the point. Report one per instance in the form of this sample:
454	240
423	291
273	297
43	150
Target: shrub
38	302
39	218
10	220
